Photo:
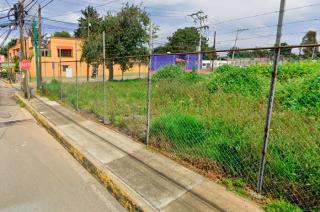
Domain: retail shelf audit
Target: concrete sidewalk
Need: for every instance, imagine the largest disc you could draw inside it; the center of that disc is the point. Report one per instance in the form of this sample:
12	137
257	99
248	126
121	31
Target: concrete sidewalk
138	178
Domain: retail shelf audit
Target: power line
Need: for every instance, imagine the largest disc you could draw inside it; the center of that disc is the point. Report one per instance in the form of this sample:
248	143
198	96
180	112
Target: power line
264	14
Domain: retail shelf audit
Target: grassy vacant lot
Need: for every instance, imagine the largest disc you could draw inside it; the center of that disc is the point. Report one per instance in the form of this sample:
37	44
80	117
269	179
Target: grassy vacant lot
216	122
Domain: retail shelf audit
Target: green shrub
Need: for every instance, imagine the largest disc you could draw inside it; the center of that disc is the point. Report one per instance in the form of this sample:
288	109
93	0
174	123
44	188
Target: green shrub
298	70
4	74
231	79
168	72
53	89
302	95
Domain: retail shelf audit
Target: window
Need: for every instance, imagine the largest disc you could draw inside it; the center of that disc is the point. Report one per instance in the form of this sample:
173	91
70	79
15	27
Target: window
65	53
45	53
64	68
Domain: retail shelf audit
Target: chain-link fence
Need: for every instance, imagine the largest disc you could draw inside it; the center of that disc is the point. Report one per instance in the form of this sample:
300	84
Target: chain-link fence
211	116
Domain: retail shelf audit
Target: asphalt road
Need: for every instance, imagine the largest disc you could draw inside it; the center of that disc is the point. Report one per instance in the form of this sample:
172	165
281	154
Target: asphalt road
36	173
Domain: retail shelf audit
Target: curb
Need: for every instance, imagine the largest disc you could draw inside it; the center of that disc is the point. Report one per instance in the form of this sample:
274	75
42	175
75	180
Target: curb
93	167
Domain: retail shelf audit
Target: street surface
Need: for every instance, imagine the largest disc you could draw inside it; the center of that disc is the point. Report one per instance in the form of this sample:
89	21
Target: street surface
36	172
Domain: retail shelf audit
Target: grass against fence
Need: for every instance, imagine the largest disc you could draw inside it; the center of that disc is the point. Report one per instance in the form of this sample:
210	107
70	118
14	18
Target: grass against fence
216	122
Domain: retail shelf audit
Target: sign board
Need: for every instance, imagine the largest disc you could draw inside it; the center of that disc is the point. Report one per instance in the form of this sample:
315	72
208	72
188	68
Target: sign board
69	72
25	65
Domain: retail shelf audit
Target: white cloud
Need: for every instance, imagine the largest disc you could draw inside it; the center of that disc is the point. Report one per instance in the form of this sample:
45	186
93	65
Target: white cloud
172	14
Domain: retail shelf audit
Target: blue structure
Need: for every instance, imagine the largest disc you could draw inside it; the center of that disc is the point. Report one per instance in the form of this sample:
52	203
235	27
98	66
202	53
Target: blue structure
189	61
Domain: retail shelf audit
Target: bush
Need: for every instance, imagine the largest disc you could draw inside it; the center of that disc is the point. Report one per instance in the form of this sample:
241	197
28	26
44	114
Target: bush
231	79
302	95
298	70
168	72
4	74
53	89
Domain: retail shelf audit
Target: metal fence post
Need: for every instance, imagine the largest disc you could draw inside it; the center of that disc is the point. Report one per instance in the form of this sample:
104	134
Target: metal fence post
271	97
104	77
77	83
149	85
45	71
60	75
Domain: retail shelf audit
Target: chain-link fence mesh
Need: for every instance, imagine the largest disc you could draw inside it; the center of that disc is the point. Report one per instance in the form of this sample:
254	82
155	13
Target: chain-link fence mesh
212	118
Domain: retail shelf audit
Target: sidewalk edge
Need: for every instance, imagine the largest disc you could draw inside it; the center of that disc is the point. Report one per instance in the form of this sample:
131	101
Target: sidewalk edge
94	169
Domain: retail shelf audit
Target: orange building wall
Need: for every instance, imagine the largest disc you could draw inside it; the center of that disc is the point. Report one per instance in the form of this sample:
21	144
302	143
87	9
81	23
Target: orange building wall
49	70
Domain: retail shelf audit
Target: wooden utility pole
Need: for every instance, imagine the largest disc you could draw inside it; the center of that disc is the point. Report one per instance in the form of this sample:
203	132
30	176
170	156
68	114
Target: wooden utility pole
40	43
25	86
21	28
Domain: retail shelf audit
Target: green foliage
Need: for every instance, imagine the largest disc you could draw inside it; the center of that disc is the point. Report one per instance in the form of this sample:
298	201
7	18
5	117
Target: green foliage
281	205
168	72
231	79
298	70
302	95
214	120
236	185
90	31
89	23
4	74
180	129
183	40
53	89
127	34
62	34
310	38
174	72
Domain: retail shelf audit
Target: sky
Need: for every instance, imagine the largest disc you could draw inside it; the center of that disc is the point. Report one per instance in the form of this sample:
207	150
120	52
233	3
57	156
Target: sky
224	17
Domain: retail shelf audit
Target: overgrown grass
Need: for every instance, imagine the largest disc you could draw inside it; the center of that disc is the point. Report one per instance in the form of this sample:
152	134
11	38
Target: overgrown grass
281	205
219	119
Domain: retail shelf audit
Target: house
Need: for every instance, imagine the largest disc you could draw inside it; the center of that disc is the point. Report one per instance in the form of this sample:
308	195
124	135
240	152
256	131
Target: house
66	50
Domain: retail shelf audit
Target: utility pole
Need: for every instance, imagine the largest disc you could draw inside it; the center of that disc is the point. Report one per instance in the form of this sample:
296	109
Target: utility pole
40	43
20	22
236	40
271	97
21	27
201	19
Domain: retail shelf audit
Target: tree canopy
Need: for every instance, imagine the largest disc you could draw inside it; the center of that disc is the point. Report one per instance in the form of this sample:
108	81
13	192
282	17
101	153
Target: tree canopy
4	50
310	38
126	35
183	40
62	34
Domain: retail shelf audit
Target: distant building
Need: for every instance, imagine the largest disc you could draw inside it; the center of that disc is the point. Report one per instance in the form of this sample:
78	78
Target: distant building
189	61
51	58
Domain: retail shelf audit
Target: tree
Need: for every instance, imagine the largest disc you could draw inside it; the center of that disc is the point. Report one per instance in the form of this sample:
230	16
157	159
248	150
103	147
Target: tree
89	29
126	35
62	34
310	38
286	52
250	54
4	50
183	40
